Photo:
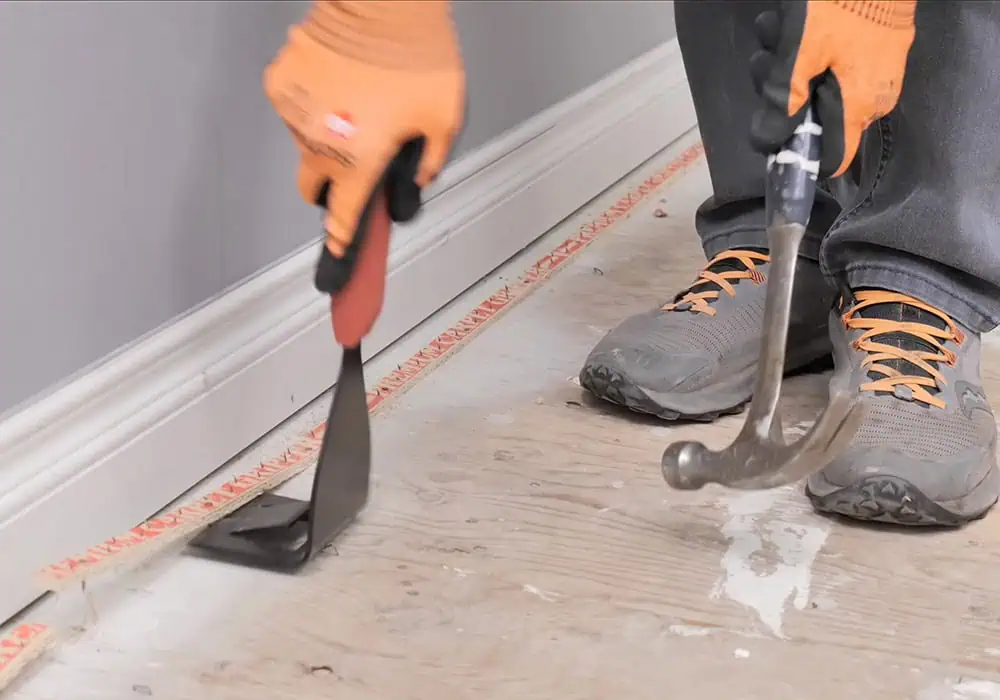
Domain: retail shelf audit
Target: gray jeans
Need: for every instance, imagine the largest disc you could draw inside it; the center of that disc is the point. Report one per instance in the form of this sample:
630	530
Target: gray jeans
920	212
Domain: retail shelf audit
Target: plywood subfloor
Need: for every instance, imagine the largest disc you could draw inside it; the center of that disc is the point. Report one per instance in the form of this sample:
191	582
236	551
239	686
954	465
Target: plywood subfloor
521	544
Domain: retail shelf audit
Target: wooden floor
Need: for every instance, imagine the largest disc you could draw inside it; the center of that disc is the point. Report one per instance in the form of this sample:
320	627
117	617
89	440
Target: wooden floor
521	544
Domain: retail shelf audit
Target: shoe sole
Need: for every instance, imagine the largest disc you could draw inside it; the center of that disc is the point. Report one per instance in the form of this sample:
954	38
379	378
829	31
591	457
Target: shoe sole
893	500
610	385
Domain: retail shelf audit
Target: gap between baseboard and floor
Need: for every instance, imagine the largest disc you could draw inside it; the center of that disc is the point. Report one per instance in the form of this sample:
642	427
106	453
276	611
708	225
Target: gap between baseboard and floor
116	445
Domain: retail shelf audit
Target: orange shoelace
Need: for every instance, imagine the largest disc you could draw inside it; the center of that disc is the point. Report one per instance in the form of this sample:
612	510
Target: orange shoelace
880	352
698	301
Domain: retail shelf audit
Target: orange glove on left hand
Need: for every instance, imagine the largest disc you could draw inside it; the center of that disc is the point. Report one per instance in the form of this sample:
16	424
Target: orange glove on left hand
373	93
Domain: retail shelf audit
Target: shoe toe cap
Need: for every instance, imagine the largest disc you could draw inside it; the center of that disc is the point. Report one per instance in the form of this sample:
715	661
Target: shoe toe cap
938	478
648	368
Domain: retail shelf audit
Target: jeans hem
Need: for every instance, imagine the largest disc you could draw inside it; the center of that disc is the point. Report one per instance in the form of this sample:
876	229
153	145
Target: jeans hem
721	241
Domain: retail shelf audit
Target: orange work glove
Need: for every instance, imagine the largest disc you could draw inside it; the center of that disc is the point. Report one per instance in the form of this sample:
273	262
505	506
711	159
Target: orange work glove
374	94
848	56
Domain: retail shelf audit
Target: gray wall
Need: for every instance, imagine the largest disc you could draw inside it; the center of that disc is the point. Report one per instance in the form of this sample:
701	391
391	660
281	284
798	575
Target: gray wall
142	172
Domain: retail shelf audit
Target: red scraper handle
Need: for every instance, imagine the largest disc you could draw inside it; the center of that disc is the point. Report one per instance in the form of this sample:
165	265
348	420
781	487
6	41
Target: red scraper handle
357	306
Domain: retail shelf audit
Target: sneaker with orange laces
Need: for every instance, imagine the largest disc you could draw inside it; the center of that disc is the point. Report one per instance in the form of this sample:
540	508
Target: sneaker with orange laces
696	356
926	450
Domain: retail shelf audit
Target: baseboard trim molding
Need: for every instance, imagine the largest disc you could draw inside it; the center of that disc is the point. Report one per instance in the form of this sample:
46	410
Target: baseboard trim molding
121	442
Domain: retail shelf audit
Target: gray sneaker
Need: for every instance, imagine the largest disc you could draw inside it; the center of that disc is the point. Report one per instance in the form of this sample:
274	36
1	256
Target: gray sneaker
926	451
696	357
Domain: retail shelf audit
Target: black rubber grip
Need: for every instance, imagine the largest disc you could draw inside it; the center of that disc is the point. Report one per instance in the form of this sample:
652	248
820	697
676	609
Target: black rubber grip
792	173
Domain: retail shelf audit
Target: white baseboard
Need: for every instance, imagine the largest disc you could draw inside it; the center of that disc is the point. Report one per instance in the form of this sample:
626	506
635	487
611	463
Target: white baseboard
118	444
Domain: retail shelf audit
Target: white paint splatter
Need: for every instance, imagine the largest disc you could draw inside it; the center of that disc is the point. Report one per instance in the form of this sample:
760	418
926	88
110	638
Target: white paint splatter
617	484
961	688
547	596
972	689
788	548
741	653
690	630
991	651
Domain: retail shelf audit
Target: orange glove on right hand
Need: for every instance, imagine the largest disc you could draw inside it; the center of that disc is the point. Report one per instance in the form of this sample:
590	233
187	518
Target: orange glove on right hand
847	57
373	93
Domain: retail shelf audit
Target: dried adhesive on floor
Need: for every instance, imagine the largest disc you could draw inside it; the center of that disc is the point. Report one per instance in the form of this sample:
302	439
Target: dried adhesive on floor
520	543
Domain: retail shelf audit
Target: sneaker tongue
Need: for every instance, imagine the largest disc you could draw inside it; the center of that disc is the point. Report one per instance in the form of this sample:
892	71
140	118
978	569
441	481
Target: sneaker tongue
727	265
894	311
